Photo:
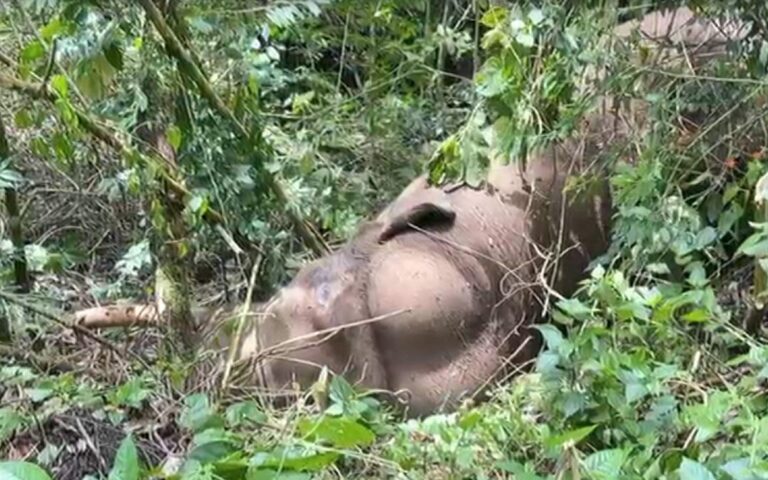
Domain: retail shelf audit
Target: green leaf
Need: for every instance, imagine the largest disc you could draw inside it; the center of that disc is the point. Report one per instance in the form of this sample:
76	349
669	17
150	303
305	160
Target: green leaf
740	469
114	55
244	412
60	85
294	458
697	276
605	464
525	39
212	445
707	417
575	308
693	470
62	146
491	80
634	390
470	419
572	436
10	422
341	432
32	52
132	393
756	245
90	80
39	394
698	315
198	415
536	16
53	28
552	336
705	237
520	471
23	119
340	390
269	474
494	16
126	464
173	134
17	470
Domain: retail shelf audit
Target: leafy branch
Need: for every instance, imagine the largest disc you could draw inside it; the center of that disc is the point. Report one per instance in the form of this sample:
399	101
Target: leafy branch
191	68
41	92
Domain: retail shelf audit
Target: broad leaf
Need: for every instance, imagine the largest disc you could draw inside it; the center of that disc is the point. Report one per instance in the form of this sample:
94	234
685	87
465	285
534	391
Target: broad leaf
341	432
693	470
126	464
17	470
198	415
605	464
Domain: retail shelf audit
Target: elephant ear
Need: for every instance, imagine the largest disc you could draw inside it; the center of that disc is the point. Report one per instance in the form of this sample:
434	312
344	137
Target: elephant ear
428	207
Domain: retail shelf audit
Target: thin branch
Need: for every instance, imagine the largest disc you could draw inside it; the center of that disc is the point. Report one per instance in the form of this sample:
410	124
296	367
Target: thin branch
191	69
234	348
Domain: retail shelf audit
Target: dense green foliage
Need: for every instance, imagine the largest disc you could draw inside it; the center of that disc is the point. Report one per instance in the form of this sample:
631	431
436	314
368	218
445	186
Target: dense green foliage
646	373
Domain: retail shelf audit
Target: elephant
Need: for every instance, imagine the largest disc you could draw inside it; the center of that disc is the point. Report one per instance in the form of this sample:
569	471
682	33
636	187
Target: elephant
454	276
438	296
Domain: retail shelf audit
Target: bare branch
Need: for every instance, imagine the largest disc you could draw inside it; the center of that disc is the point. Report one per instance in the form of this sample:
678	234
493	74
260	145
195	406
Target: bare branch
117	316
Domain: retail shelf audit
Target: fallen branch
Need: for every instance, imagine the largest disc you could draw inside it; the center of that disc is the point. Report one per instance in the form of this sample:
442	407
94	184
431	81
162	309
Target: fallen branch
17	300
177	50
115	316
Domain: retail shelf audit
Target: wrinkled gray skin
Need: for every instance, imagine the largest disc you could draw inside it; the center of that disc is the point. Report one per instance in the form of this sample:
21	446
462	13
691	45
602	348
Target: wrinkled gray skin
467	279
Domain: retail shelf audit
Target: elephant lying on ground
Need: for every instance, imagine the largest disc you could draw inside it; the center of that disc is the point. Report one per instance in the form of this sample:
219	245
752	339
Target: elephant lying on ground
453	279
